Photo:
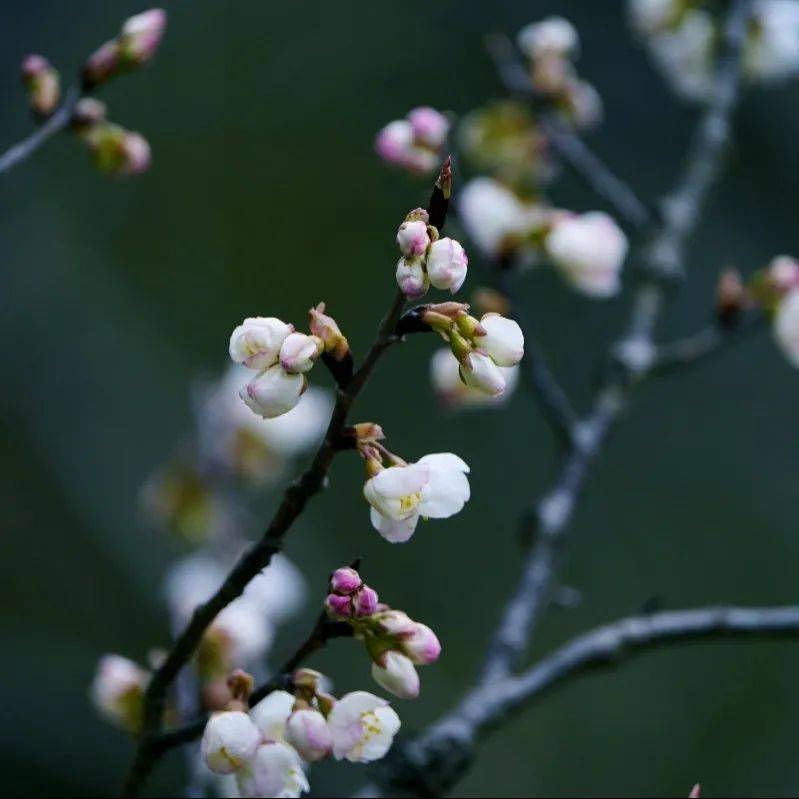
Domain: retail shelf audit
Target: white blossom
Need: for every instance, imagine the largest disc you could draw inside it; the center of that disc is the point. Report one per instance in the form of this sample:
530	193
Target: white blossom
650	16
435	487
308	733
447	264
772	49
589	250
397	674
247	633
273	392
275	770
271	714
256	341
786	326
503	340
480	372
445	376
552	36
230	740
117	690
494	218
363	727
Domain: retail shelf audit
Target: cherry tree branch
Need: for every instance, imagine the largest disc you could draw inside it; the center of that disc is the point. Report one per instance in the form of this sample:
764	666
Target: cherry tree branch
663	265
59	121
258	556
432	764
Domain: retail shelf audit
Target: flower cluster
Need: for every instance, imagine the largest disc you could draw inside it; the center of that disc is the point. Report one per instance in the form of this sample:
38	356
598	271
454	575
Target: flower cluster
415	143
114	149
551	46
588	249
434	487
427	259
268	746
395	642
682	37
282	357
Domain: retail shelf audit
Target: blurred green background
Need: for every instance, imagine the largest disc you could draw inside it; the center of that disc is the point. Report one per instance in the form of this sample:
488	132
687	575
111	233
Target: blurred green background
264	198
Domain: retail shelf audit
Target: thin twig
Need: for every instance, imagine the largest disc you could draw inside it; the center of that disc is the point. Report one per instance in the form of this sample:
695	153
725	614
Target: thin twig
431	764
564	140
54	124
664	261
257	557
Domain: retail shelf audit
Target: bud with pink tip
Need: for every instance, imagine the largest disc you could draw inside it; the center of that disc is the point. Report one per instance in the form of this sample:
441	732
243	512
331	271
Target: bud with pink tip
413	238
396	623
88	112
430	127
365	602
786	326
396	673
422	646
326	328
141	36
447	264
117	151
101	65
345	581
43	83
308	733
412	279
783	273
273	392
299	352
394	141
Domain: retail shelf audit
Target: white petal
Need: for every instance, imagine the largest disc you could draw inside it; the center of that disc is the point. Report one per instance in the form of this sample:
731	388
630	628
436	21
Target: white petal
271	713
401	481
395	531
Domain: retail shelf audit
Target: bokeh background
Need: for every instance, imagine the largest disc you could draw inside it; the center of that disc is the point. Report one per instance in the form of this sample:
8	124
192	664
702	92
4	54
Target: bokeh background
265	197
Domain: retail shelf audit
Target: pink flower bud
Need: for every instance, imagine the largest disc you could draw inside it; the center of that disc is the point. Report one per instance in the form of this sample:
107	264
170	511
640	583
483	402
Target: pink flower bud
446	264
394	141
308	733
411	278
135	154
422	647
102	64
365	602
345	581
273	392
412	238
43	84
396	673
430	127
338	607
783	273
299	352
141	36
396	623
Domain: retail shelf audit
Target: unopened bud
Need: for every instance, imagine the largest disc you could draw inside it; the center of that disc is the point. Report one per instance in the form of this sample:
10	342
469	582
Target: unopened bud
411	278
413	238
43	83
338	607
240	684
88	113
307	679
365	602
118	151
396	673
308	733
422	646
730	296
345	581
368	432
102	64
299	352
140	37
326	328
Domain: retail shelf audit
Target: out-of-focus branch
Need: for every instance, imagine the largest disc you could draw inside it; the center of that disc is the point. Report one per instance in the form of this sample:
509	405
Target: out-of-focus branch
431	764
663	264
564	140
257	558
55	124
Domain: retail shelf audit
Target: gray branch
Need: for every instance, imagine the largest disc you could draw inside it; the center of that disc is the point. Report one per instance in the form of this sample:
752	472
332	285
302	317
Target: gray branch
55	124
633	353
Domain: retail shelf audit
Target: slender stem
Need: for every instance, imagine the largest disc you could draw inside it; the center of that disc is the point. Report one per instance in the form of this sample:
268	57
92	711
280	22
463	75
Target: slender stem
564	140
664	260
55	124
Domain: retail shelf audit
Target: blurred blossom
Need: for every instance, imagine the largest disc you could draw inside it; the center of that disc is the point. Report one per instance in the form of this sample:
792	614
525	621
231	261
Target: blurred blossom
275	770
786	326
496	219
453	392
650	16
43	84
117	691
589	250
416	142
117	151
552	36
772	50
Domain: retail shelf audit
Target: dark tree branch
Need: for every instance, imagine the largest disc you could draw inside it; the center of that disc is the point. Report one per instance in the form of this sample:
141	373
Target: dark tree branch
571	148
547	522
431	764
59	121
